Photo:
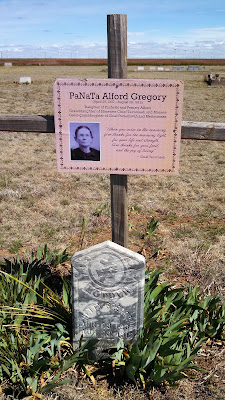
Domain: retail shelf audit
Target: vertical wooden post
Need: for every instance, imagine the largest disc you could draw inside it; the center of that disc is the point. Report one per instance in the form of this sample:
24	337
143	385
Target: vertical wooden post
117	69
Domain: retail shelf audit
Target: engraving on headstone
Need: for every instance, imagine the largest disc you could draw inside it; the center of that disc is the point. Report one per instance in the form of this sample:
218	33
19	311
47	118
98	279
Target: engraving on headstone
108	294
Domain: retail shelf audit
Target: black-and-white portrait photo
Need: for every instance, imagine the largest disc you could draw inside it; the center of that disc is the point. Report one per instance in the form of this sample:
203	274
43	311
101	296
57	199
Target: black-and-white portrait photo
85	141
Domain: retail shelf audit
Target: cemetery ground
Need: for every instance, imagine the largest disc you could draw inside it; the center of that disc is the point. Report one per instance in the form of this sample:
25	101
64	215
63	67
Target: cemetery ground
72	211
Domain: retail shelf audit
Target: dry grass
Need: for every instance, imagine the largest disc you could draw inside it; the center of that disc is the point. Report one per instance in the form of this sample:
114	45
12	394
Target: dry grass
38	205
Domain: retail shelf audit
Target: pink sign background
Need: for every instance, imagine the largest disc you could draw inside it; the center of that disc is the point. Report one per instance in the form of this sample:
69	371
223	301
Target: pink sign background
134	124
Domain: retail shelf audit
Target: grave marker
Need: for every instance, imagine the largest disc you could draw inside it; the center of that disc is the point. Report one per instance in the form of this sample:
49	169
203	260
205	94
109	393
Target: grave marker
178	68
193	68
108	294
25	79
141	68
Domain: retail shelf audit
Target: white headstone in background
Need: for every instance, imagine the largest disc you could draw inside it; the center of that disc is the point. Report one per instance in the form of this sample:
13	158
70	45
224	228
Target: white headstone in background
141	68
7	64
25	79
152	68
108	294
160	69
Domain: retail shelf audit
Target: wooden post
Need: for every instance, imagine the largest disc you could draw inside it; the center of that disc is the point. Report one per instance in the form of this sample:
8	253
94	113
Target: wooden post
117	69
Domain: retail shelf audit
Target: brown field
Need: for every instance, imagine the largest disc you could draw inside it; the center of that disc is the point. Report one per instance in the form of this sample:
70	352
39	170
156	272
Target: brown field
104	61
39	205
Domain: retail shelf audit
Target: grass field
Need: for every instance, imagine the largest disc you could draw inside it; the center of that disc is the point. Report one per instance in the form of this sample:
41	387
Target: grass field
39	205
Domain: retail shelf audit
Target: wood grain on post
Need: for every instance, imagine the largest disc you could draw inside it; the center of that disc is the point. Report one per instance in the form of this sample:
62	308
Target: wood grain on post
117	69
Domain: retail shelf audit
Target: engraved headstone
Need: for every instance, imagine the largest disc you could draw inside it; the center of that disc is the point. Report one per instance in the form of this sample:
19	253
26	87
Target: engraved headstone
108	294
7	64
141	68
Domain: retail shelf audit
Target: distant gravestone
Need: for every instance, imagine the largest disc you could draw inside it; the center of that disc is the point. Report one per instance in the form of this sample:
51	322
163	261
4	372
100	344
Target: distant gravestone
160	69
141	68
193	68
152	68
7	64
108	294
178	68
25	79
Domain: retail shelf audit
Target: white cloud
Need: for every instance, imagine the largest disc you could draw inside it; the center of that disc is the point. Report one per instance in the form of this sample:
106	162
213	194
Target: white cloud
208	33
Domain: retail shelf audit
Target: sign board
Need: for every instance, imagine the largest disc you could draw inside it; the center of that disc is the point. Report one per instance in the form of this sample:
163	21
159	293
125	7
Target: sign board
108	294
118	126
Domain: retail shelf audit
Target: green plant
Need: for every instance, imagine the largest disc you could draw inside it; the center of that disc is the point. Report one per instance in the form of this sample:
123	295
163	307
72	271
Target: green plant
101	209
133	209
35	328
176	324
151	227
52	258
33	364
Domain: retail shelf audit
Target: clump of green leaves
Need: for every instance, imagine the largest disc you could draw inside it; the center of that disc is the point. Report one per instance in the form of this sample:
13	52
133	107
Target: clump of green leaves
176	324
101	209
52	258
151	227
35	327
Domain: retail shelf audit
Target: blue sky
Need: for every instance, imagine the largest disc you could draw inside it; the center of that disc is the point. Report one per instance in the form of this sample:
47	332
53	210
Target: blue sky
161	29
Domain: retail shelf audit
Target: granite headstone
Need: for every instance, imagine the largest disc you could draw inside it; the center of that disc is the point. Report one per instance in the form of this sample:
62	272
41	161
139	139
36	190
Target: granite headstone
108	294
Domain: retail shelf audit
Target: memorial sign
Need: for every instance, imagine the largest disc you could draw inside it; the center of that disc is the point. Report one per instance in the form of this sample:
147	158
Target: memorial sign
108	294
118	126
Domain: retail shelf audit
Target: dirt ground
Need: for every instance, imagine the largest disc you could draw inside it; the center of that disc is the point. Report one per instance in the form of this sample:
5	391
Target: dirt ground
201	102
38	205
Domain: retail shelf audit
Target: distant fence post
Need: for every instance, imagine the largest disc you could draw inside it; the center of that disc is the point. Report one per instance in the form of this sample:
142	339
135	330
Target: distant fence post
117	69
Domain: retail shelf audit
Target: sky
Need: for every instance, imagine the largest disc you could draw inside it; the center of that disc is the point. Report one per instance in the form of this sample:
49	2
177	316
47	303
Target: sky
78	29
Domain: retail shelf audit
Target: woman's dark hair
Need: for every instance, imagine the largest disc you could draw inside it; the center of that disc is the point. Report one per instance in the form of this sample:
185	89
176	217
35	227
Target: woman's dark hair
82	126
